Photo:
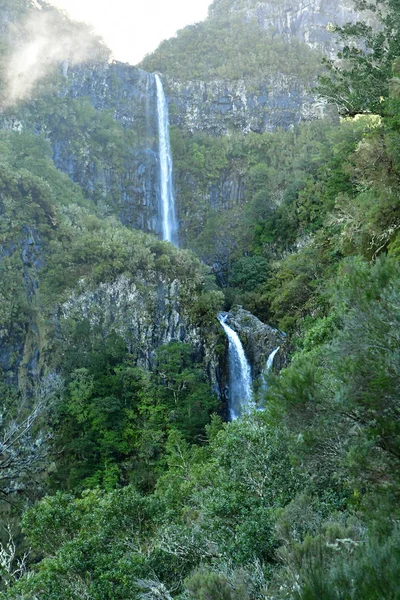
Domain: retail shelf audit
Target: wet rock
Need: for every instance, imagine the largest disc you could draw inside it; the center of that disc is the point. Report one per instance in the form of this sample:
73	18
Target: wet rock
259	340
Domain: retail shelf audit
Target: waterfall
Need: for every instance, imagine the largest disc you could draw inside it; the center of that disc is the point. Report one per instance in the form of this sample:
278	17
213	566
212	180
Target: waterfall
270	360
167	203
240	382
268	367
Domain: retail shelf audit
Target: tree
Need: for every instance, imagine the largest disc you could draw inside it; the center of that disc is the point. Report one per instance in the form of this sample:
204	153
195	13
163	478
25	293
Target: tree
24	442
359	81
12	566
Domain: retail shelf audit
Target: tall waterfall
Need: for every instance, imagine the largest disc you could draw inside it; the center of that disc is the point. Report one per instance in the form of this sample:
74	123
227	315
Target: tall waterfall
167	204
240	382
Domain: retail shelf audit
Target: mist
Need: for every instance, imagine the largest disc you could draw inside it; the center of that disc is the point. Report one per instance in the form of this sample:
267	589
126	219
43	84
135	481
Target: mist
43	41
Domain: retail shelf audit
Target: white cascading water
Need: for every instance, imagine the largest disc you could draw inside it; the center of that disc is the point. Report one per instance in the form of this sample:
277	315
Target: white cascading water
167	204
268	367
240	382
270	360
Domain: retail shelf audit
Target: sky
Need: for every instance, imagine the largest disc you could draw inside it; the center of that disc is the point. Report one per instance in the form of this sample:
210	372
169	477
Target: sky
133	28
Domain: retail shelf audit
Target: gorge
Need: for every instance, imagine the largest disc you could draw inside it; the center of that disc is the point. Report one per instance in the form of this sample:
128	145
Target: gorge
161	226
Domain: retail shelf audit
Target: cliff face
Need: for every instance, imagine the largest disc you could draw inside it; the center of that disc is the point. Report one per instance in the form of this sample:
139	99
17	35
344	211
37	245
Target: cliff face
102	122
218	107
306	20
107	141
117	164
147	308
123	175
147	311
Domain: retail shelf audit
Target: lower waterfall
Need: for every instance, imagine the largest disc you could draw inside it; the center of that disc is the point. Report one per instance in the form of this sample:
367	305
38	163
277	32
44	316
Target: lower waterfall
270	360
240	381
268	367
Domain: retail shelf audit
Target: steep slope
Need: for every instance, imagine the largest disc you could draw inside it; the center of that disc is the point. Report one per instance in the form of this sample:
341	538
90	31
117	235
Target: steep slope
147	495
232	73
57	252
305	20
228	74
251	65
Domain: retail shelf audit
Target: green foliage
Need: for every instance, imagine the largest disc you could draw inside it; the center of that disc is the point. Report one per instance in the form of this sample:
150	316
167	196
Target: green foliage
181	390
351	382
341	561
209	304
99	549
207	586
320	331
298	501
107	544
311	197
114	419
360	81
219	48
249	272
21	20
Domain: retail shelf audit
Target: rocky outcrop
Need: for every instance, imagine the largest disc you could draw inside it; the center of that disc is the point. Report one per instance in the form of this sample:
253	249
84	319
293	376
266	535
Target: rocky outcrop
145	311
118	86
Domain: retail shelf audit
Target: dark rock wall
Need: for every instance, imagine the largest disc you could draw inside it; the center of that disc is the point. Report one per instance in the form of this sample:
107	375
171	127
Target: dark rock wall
133	189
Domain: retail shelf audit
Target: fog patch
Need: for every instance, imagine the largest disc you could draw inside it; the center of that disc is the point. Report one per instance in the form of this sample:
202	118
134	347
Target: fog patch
43	41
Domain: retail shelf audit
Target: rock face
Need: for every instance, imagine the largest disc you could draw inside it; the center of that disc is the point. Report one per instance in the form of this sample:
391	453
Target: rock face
123	177
306	20
219	107
145	311
129	178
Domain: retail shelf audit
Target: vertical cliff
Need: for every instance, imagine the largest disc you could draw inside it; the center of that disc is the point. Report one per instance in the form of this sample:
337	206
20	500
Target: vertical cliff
306	20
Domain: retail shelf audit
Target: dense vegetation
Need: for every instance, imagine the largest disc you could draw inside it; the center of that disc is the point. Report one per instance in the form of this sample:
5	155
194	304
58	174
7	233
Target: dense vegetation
146	495
51	239
219	49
